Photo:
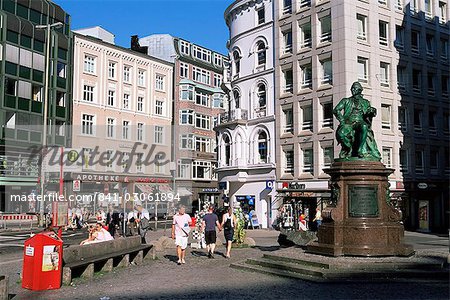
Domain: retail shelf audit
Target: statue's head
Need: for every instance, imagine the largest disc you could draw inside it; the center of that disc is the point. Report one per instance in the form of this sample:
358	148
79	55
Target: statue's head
356	88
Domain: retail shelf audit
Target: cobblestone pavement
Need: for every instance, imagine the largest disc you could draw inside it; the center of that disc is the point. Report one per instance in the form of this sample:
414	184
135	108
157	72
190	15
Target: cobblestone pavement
203	278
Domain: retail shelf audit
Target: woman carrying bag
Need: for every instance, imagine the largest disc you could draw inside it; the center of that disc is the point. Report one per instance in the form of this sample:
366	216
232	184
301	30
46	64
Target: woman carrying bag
228	225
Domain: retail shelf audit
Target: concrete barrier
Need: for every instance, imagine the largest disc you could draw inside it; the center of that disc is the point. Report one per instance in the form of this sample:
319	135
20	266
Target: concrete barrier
4	281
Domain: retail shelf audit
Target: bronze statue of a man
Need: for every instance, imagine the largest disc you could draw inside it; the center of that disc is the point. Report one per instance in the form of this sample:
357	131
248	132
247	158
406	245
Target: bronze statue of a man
355	130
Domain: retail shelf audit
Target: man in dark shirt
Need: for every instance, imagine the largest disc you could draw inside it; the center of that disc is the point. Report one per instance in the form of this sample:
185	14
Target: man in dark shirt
209	223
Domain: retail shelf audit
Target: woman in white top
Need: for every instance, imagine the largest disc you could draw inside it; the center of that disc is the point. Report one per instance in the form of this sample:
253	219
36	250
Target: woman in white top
228	225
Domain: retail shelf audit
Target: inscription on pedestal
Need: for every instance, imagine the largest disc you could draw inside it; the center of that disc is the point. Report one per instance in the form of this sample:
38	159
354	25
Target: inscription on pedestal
363	201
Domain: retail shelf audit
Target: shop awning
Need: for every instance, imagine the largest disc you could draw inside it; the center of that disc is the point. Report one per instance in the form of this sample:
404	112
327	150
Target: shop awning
184	192
146	188
150	188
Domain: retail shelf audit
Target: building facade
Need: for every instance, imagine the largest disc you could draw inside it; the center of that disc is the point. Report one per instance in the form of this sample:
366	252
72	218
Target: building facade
22	73
247	130
198	100
398	51
123	112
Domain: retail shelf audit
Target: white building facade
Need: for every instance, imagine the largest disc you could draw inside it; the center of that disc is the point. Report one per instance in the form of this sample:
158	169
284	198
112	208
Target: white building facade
246	133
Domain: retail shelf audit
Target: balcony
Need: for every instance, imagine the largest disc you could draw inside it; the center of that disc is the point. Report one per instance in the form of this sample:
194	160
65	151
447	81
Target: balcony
235	115
260	112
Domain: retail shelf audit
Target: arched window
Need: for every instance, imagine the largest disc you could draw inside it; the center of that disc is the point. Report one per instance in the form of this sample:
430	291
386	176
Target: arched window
237	62
262	95
227	146
237	98
262	147
261	53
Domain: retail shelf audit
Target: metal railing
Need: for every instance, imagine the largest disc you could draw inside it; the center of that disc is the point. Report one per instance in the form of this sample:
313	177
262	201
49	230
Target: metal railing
233	115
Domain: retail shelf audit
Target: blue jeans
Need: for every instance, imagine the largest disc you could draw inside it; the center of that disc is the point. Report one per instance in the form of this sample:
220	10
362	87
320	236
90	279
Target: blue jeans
319	222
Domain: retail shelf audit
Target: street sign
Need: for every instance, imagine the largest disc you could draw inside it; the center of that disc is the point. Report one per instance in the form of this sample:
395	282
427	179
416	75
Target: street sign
76	185
269	184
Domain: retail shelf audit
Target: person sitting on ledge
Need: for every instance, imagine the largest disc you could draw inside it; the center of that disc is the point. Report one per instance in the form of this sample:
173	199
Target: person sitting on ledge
97	234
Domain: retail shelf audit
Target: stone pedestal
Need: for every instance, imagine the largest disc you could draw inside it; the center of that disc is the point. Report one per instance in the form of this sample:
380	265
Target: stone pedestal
360	220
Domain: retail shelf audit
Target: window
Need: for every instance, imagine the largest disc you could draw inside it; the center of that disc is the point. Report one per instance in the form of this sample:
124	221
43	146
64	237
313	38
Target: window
308	161
217	80
126	74
202	121
201	76
442	13
139	162
431	85
112	70
444	49
126	163
327	71
446	123
362	27
399	37
61	69
186	117
328	156
88	93
383	28
186	92
419	161
109	163
287	42
141	78
159	167
363	72
159	108
110	127
159	135
325	29
10	86
384	74
404	161
111	98
184	47
140	104
306	76
447	161
262	147
418	120
261	16
402	119
125	130
428	9
218	60
87	156
89	64
201	170
37	93
417	80
382	2
184	70
237	98
261	54
201	53
305	36
289	161
398	4
387	157
288	120
288	85
430	45
262	95
385	116
202	99
327	114
287	7
87	124
186	142
402	80
60	98
432	127
444	85
305	3
415	41
227	146
237	62
126	101
140	132
307	118
434	160
414	6
202	144
184	169
159	82
218	100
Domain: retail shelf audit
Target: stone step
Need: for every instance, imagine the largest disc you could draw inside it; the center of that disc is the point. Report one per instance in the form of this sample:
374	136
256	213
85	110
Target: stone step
297	261
286	266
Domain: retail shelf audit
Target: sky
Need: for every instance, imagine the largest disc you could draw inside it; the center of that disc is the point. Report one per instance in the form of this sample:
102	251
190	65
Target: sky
198	21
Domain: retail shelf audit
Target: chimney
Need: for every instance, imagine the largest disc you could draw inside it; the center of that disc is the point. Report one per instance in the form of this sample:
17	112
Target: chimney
135	45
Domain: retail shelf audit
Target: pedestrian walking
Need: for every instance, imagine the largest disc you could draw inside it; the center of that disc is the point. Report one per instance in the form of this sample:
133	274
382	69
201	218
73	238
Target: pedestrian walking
229	222
209	223
143	222
318	218
180	233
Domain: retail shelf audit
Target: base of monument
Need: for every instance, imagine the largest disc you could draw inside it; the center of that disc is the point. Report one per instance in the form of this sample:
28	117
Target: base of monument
333	250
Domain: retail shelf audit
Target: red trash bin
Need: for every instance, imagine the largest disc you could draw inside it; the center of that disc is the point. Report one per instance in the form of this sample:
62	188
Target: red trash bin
42	262
193	221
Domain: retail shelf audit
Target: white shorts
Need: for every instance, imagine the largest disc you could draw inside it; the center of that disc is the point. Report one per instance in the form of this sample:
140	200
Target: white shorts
181	241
